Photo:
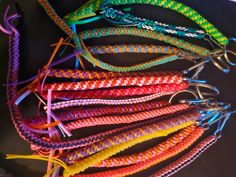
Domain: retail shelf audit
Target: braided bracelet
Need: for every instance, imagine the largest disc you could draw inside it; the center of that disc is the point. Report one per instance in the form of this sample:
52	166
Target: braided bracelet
103	32
187	159
138	48
108	120
114	82
90	8
132	169
26	134
78	74
80	113
94	159
152	34
120	18
116	92
144	84
83	102
149	153
16	116
222	65
119	119
183	9
192	114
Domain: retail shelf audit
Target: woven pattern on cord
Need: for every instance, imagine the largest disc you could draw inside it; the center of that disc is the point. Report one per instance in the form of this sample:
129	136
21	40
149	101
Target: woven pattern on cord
117	92
116	82
132	169
149	153
191	114
187	158
108	120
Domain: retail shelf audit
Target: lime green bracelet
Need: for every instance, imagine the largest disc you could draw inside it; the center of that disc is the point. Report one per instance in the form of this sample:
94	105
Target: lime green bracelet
93	6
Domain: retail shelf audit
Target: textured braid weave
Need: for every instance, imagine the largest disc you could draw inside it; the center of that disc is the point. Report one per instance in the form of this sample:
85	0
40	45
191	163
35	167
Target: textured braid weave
137	48
118	17
17	119
86	10
132	169
108	120
183	9
113	31
60	23
117	92
106	66
83	164
83	102
192	115
80	113
115	82
113	132
88	56
187	158
93	6
78	74
97	33
149	153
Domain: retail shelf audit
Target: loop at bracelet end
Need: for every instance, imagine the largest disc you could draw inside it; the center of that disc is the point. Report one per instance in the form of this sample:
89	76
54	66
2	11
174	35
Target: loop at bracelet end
227	51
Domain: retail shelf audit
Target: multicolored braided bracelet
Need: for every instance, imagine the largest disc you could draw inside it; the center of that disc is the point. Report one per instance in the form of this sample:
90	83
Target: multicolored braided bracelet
90	9
132	169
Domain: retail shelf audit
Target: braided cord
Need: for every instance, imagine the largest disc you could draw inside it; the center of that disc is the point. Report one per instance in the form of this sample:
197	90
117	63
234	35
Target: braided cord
113	82
137	48
78	74
17	118
85	11
151	22
187	158
79	113
183	9
109	120
173	120
118	17
97	33
116	92
83	102
113	31
132	169
149	153
60	23
97	62
83	164
93	6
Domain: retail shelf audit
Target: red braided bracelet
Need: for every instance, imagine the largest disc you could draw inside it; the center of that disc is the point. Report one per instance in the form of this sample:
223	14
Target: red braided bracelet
79	113
114	82
104	120
117	92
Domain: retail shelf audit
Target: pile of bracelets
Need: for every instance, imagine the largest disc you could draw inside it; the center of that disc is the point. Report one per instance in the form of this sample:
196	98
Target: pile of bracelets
125	106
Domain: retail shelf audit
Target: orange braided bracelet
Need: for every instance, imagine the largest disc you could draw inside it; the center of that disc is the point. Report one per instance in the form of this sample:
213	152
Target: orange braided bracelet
78	74
149	153
124	171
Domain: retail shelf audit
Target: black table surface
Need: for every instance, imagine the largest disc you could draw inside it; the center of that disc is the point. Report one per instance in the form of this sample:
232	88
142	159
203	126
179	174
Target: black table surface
38	32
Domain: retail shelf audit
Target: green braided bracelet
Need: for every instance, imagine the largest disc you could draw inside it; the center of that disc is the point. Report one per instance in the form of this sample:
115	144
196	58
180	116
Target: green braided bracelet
91	7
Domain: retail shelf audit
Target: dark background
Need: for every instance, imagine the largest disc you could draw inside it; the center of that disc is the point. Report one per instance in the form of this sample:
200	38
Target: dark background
38	32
